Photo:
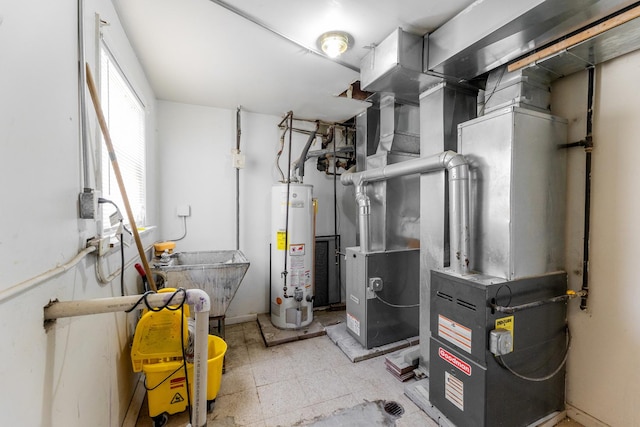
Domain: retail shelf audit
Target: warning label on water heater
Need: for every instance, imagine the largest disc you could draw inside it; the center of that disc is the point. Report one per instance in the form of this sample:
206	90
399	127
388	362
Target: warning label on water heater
296	249
281	240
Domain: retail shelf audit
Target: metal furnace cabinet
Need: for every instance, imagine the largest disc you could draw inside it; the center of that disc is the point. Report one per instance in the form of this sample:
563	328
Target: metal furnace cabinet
370	321
470	385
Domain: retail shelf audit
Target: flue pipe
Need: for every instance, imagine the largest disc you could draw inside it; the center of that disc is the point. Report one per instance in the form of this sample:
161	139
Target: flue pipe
297	168
458	169
364	211
201	305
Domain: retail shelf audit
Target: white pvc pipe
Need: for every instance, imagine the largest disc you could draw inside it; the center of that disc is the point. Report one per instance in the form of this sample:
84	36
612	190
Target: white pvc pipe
28	284
201	305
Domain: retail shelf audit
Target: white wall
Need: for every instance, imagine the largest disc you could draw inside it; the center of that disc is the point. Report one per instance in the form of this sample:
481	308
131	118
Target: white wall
603	380
77	373
195	150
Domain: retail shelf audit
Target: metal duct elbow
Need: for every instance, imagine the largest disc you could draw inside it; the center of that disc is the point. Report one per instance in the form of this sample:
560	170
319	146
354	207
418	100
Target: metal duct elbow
347	178
450	160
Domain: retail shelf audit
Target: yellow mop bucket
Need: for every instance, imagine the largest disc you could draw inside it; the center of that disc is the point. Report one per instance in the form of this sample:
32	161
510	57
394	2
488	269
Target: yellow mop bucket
157	351
167	387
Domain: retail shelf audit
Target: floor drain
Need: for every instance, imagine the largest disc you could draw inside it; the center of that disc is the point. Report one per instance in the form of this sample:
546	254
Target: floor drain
393	408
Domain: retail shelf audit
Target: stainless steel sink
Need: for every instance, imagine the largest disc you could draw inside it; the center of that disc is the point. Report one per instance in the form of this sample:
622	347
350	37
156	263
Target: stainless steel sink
218	273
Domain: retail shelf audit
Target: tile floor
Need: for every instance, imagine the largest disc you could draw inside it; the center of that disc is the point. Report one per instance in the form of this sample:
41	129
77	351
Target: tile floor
296	383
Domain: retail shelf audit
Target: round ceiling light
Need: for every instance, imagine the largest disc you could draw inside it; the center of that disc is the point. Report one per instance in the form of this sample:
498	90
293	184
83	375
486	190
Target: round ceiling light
334	43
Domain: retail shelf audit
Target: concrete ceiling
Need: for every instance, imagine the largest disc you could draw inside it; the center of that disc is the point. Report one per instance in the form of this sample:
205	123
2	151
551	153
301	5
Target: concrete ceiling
198	52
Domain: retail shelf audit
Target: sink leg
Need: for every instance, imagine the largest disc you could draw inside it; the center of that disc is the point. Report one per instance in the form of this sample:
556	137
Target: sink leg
217	329
219	332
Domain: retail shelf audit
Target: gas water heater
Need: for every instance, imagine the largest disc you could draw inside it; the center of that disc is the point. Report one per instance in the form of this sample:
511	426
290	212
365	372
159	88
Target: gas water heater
292	257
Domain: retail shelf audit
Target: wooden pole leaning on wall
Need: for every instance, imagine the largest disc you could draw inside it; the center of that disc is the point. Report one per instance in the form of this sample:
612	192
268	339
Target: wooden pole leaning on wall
116	169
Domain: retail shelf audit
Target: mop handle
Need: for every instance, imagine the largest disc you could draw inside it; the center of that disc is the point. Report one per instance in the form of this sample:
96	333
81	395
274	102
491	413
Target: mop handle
116	169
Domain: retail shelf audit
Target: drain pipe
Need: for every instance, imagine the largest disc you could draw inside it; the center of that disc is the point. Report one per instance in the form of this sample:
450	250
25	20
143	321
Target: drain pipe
458	169
197	298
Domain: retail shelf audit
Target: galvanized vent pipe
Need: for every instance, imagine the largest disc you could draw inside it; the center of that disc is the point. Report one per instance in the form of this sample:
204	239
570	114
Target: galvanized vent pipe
197	298
458	169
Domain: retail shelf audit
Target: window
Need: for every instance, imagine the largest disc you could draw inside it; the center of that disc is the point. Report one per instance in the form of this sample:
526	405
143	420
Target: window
125	116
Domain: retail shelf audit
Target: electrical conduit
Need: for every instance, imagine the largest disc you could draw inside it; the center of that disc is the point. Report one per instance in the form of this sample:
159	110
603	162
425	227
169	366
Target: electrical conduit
30	283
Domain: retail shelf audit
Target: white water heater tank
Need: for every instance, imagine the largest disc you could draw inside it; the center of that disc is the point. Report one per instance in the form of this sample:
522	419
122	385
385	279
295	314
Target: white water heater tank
292	255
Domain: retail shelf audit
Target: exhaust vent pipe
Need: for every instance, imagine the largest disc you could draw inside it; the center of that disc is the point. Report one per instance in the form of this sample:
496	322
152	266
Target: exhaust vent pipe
458	169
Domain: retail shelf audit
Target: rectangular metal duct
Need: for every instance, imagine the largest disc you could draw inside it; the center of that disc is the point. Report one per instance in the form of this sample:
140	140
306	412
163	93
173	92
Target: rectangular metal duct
395	65
488	34
526	88
595	50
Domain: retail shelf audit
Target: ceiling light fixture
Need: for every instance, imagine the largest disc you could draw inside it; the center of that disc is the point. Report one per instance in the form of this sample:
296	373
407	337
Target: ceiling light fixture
334	43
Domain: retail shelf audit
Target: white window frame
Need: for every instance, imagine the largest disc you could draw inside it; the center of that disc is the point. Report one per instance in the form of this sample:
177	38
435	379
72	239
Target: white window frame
117	95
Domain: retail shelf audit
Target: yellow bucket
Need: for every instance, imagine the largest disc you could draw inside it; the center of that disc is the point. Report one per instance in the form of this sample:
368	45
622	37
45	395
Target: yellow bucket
166	383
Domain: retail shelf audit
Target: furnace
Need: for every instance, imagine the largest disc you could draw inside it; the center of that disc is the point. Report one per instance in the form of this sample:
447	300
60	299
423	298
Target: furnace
493	368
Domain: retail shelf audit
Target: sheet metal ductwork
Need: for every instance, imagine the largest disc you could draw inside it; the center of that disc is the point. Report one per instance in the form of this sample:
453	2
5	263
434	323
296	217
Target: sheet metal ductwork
388	134
487	34
396	66
526	88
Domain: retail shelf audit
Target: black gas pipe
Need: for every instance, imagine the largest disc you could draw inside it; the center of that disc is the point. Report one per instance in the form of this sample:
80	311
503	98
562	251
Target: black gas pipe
587	143
286	226
587	188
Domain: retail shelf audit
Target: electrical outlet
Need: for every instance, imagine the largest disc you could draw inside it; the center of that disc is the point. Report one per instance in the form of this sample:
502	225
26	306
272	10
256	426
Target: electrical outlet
104	246
184	210
237	159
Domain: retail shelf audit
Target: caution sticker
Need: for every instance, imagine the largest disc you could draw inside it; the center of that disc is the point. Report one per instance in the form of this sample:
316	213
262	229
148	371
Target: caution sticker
506	323
177	398
296	249
281	240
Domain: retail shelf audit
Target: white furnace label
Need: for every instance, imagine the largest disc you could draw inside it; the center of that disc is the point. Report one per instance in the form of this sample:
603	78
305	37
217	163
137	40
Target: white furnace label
454	390
455	333
353	324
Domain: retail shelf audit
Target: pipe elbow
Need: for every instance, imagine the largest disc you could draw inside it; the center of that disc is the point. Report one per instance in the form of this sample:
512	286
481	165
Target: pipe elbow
456	164
199	299
351	178
450	159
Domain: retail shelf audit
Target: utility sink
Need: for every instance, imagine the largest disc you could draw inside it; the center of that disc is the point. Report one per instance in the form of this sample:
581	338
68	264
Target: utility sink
218	273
